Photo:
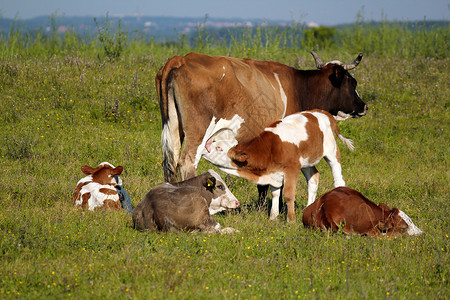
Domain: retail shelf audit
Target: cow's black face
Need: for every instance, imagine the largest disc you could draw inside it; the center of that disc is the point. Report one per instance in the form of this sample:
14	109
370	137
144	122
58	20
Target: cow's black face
346	102
357	105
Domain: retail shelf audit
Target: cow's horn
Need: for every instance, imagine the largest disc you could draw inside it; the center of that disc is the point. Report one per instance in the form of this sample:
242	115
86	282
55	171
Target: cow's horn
319	63
354	63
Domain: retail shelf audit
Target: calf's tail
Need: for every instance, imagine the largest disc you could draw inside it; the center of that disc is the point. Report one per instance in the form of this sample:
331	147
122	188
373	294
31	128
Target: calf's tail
347	142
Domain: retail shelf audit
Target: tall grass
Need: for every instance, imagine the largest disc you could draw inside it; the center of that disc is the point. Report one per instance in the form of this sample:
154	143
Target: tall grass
67	106
395	39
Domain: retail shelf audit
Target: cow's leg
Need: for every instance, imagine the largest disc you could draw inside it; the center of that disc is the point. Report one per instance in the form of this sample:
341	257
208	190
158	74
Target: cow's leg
336	169
186	164
187	159
312	178
194	128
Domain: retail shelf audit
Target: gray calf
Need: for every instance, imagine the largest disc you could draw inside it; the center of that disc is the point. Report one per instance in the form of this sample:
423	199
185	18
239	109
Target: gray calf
186	205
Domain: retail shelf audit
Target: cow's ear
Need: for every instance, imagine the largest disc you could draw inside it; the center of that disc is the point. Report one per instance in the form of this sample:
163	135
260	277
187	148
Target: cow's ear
210	183
87	170
337	76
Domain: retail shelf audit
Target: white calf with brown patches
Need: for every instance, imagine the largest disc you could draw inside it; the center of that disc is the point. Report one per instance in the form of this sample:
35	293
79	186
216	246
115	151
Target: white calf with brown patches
98	188
297	142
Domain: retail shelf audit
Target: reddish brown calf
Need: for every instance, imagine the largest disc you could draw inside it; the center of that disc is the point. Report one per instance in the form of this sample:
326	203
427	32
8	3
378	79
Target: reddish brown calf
357	214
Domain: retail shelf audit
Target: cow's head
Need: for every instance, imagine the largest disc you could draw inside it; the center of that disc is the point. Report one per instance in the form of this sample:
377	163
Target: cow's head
222	198
104	173
343	100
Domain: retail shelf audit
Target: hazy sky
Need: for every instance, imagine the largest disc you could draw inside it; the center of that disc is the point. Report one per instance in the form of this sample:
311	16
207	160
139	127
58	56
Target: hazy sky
326	12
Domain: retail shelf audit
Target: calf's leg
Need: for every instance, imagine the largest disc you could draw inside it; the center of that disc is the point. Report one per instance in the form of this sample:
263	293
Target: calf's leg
336	169
275	211
262	199
262	195
289	194
312	178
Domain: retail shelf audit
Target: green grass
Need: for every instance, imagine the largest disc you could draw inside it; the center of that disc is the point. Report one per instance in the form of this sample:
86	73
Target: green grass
62	111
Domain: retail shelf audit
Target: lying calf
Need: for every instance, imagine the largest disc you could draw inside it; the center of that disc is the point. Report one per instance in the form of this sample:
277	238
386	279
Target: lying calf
360	215
186	205
101	188
276	156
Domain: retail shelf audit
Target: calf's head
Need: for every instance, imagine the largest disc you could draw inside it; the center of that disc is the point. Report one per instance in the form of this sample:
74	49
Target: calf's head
104	173
392	223
222	198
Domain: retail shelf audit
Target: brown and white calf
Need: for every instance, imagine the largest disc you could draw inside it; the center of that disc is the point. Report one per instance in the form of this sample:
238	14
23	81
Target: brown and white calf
296	142
357	214
186	205
98	188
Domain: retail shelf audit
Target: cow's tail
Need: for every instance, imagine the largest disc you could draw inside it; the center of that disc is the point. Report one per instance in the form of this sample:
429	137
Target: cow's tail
347	142
172	133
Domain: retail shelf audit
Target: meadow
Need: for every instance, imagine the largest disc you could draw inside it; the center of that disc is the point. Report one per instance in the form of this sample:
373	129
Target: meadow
67	102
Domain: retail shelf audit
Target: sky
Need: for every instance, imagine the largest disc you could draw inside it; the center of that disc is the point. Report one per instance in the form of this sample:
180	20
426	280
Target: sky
323	12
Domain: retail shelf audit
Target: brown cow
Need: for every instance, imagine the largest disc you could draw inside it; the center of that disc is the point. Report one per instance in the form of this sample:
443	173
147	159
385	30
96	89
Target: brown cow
198	91
186	205
275	157
349	209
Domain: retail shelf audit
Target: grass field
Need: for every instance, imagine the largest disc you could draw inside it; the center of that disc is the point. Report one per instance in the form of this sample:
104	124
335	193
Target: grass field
62	111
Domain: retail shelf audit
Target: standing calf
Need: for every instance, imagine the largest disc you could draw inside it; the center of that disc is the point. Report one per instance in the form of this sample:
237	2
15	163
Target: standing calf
296	142
358	214
186	205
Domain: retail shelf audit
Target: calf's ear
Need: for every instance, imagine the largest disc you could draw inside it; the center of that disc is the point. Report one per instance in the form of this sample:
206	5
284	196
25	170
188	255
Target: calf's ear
237	155
384	207
243	157
240	156
117	171
87	170
210	183
384	226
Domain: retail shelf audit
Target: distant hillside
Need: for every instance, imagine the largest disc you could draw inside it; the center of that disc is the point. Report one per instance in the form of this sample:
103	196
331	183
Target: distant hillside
162	29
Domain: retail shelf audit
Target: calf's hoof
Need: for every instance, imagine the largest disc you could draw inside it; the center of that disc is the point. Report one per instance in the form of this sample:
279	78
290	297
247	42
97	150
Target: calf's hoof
228	230
290	219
